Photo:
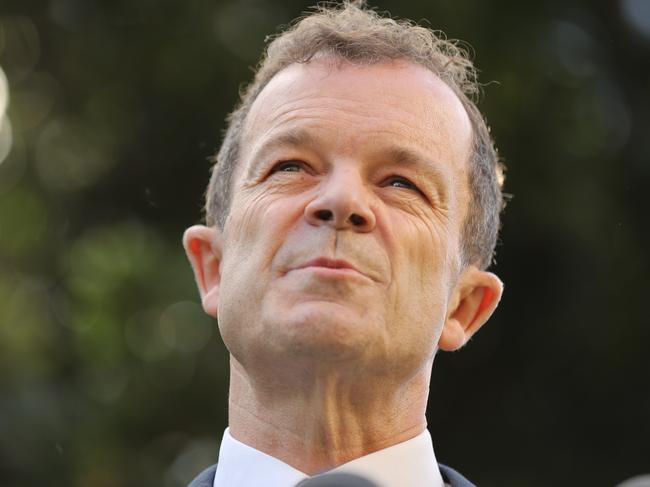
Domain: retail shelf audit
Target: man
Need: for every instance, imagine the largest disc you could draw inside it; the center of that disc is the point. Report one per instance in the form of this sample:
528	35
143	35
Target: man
351	215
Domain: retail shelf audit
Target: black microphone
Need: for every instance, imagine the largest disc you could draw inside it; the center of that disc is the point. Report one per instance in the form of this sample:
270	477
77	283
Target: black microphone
337	479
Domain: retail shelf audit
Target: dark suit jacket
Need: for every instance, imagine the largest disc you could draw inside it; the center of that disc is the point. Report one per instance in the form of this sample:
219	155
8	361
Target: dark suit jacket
449	475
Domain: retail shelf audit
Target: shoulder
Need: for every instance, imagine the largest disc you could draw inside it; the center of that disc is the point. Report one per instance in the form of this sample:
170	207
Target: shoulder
205	478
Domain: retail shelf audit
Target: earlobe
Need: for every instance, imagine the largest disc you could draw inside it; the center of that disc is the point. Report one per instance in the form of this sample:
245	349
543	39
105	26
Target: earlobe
475	298
203	248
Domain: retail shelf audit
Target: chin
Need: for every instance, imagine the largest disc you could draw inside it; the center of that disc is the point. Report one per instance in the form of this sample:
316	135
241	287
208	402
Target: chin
324	330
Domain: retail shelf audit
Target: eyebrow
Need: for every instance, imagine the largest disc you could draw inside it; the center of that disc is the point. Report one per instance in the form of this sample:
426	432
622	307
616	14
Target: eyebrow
295	139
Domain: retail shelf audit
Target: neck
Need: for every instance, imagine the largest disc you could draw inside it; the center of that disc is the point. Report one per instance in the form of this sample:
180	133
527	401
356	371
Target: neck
325	419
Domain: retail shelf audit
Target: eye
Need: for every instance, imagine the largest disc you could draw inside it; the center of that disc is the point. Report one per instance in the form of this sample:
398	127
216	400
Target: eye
400	182
287	166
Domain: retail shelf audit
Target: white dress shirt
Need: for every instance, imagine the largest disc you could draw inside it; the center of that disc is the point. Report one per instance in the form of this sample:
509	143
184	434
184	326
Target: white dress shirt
412	463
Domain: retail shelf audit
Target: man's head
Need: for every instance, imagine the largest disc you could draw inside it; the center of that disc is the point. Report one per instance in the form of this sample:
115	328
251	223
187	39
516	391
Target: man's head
339	234
362	37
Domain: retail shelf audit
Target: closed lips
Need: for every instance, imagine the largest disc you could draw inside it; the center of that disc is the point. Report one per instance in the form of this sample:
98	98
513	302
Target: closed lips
329	264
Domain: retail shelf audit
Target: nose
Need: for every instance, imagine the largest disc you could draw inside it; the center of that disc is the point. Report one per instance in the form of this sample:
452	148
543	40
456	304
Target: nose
342	203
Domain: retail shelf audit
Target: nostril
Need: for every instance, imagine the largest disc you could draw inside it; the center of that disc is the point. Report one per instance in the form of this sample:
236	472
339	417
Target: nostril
325	215
357	220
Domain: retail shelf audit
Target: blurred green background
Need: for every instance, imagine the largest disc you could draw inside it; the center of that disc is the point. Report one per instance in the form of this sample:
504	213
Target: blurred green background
110	374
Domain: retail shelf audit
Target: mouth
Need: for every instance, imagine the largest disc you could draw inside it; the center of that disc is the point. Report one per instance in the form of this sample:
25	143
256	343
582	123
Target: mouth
331	268
336	269
326	263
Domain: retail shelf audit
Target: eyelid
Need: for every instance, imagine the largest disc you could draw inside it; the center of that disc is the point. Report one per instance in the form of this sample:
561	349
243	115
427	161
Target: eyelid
425	195
277	166
403	178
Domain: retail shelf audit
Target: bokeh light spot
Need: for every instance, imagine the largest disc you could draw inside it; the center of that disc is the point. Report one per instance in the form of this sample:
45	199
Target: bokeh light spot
185	327
71	14
32	101
21	47
23	221
12	169
637	15
142	335
6	137
4	93
104	384
25	329
574	48
71	156
107	255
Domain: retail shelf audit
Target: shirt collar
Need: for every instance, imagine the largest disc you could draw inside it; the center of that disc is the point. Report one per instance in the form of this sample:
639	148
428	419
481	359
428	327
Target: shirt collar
411	462
243	466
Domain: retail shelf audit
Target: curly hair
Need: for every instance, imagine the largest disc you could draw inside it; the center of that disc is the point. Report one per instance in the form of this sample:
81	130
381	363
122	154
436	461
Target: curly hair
356	34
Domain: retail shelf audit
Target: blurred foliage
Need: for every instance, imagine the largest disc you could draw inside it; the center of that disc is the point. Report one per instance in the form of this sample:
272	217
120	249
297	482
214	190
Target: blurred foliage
110	374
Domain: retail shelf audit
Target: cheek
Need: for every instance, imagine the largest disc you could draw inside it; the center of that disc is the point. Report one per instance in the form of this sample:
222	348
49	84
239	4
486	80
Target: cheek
422	271
255	231
244	221
253	223
423	247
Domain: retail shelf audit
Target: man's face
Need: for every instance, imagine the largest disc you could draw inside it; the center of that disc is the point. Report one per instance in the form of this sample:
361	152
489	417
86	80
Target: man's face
342	242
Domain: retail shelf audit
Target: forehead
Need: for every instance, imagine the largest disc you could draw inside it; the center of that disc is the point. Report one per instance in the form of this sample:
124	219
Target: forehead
360	105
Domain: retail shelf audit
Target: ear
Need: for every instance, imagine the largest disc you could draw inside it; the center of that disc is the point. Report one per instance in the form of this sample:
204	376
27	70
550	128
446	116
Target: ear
203	248
473	300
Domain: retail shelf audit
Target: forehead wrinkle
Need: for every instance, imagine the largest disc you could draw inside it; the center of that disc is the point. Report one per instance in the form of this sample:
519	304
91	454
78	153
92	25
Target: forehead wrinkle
307	106
259	124
355	112
266	108
300	82
318	120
